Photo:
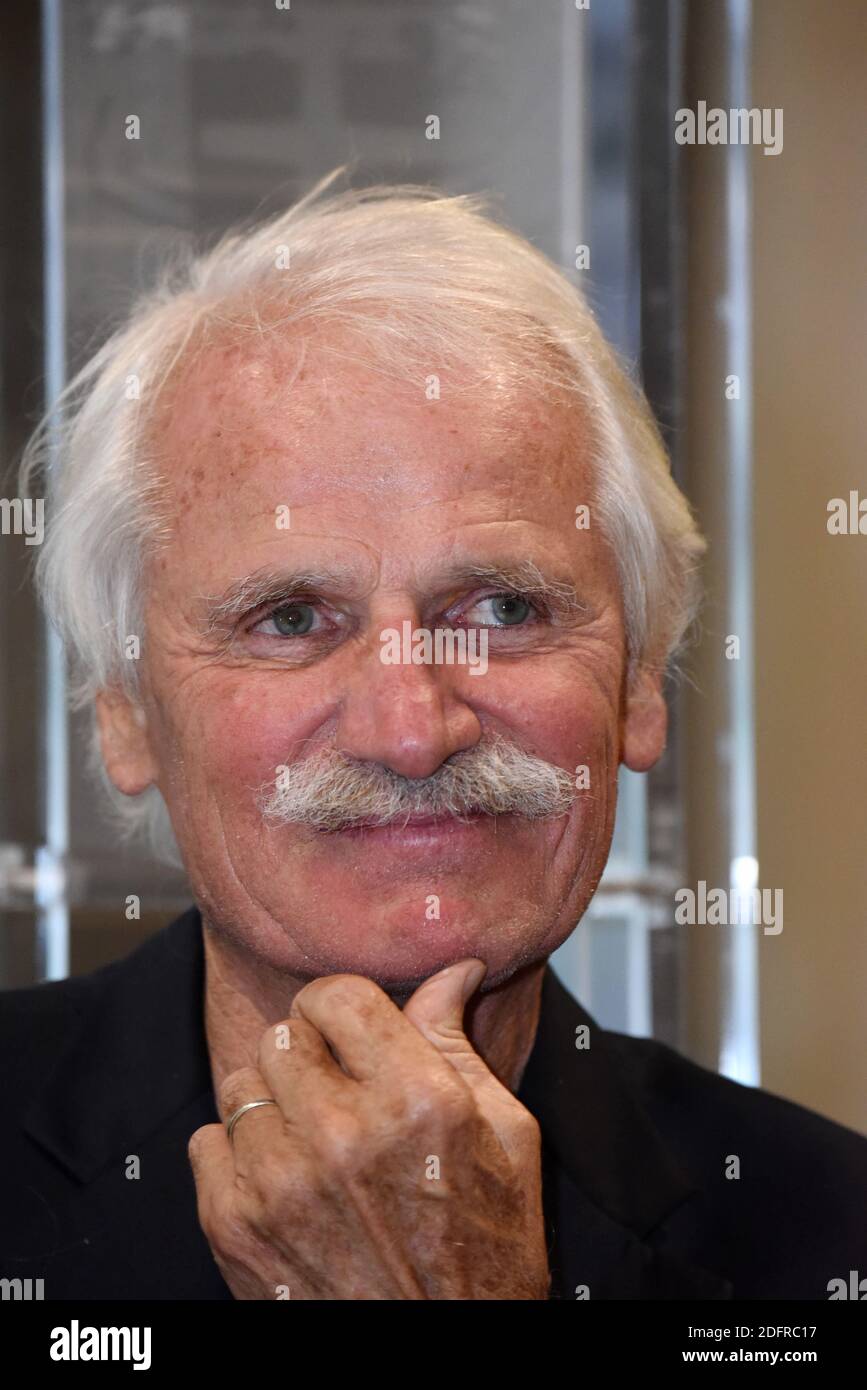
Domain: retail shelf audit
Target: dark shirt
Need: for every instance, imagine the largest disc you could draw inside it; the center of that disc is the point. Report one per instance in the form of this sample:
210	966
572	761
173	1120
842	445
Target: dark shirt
637	1141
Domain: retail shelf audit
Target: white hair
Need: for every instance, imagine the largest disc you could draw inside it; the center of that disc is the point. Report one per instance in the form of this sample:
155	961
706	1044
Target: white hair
425	278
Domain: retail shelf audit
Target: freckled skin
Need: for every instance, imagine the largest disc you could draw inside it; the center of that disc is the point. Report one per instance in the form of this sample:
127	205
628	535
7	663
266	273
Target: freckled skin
395	485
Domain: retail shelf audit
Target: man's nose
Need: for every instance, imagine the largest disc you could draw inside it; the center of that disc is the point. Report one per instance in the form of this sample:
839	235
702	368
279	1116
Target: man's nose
409	717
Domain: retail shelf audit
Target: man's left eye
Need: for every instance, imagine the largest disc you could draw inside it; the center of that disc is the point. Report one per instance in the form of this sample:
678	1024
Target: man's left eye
509	610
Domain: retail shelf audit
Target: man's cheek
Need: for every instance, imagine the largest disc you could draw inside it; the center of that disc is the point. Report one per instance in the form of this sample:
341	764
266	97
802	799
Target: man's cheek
235	753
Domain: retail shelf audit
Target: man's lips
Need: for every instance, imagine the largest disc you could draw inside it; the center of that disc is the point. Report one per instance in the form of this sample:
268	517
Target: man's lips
414	823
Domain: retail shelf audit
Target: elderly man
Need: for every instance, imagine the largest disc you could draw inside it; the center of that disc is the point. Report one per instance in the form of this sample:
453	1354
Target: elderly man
348	1072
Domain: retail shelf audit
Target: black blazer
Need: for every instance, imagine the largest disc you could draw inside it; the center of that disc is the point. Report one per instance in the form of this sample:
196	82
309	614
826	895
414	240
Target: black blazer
637	1139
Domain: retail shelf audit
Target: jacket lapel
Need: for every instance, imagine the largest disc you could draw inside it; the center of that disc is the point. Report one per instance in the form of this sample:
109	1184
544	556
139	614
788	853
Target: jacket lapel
132	1084
609	1181
136	1054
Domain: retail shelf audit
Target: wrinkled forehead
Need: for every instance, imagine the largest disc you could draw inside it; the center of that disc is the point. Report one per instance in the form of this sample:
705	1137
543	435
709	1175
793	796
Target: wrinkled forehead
315	416
286	459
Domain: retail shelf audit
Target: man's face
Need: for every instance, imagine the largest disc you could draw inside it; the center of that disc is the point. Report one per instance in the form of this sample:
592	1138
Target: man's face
396	495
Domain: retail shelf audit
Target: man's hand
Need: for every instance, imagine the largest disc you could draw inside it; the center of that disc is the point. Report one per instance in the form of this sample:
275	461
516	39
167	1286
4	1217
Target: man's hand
394	1164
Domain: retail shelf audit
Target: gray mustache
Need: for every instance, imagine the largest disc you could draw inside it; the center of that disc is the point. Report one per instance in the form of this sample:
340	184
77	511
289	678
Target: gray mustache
333	791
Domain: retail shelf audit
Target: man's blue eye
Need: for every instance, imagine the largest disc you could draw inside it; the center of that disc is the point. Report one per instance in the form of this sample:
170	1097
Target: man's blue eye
293	619
510	609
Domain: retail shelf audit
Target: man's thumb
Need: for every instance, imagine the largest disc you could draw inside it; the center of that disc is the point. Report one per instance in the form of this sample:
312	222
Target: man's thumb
436	1008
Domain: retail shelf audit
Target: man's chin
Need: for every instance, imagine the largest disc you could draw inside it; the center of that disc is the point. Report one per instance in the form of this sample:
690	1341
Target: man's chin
398	942
400	967
400	988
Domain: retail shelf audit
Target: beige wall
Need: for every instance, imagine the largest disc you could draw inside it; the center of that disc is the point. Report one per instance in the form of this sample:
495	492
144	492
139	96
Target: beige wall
809	303
810	439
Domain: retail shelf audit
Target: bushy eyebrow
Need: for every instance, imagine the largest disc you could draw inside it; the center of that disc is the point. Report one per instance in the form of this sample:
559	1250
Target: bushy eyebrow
267	586
559	595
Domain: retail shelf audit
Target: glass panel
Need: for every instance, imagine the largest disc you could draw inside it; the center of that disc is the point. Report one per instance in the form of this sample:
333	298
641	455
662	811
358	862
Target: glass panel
241	108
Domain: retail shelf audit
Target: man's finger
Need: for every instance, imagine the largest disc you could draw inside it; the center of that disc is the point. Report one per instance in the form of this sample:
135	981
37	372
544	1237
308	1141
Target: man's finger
436	1009
364	1028
212	1162
298	1068
255	1130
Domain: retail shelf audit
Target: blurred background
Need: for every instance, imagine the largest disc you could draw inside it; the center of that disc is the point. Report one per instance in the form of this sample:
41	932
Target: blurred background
705	262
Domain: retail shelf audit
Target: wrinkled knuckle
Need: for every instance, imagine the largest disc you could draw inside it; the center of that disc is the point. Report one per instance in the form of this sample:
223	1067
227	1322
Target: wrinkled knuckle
281	1197
225	1226
340	1143
235	1236
272	1179
239	1087
275	1041
443	1101
314	989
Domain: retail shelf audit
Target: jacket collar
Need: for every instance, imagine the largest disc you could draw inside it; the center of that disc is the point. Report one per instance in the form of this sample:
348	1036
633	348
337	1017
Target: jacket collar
136	1057
136	1053
610	1183
593	1121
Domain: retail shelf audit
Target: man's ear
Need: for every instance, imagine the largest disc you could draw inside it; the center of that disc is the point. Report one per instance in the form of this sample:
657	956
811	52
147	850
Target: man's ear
123	737
645	722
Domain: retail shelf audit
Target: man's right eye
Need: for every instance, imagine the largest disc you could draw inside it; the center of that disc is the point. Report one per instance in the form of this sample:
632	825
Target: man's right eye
289	620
